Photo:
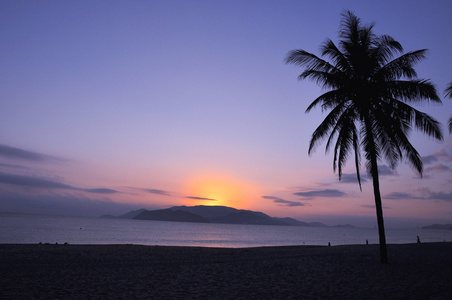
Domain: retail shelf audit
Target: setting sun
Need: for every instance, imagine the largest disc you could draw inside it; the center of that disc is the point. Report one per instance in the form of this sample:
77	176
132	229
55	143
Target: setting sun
220	190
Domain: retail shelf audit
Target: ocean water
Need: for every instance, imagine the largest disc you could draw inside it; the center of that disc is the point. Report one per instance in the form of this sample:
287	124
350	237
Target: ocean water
20	228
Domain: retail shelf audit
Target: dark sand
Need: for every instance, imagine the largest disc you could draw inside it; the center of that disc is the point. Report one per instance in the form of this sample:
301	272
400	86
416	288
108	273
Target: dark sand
415	271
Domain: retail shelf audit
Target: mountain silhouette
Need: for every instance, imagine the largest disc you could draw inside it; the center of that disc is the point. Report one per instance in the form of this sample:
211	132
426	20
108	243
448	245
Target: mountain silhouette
212	214
170	215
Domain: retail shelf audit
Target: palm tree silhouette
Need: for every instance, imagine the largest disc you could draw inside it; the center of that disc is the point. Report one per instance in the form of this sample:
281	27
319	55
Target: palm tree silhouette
368	91
449	94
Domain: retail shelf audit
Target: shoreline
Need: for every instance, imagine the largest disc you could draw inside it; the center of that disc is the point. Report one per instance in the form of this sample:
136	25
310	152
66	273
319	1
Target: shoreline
415	271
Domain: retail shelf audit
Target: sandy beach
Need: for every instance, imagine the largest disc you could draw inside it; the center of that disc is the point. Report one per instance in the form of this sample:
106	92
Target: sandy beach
415	271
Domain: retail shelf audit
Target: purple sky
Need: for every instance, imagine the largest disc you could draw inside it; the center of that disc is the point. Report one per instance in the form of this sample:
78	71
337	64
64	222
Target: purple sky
109	106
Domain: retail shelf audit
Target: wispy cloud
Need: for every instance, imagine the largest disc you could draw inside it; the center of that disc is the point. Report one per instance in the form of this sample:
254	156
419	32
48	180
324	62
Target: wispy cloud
441	196
440	155
326	193
398	196
283	202
352	178
13	166
384	170
76	204
36	182
100	191
426	194
29	181
157	192
152	191
200	198
438	168
20	154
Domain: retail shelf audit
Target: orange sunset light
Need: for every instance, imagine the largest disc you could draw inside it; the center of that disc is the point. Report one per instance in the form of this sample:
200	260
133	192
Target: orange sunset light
220	190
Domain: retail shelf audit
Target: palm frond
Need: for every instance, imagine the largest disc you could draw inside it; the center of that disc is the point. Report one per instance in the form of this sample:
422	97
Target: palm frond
328	100
322	78
401	66
340	118
357	156
450	124
415	90
308	60
339	60
324	128
449	94
449	91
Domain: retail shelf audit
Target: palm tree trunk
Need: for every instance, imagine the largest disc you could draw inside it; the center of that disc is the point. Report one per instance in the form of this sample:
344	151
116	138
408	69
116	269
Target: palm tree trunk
378	206
377	195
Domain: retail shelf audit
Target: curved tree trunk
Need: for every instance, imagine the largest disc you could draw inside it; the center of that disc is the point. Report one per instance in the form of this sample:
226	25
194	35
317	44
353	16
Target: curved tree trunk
378	206
376	183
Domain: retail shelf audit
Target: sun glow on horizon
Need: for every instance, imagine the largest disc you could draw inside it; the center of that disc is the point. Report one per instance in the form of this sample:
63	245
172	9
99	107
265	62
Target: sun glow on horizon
220	190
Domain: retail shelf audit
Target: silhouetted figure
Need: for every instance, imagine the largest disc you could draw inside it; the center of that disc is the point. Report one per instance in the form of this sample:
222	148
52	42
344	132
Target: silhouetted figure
418	240
367	242
329	244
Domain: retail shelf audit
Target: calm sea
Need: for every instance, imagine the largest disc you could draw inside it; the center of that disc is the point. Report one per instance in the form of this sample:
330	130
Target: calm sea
19	228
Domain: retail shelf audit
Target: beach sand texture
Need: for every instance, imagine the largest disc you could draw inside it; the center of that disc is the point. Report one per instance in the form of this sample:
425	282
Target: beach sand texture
416	271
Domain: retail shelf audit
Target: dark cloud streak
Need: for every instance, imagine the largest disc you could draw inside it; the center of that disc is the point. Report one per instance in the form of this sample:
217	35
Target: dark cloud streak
36	182
327	193
100	191
284	202
156	191
30	181
352	178
440	155
200	198
397	196
20	154
151	191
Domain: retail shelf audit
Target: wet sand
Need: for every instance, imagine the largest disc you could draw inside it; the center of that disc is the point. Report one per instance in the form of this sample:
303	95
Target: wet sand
415	271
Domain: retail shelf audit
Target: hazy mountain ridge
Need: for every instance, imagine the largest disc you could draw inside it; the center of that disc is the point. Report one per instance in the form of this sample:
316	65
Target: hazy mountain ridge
213	214
128	215
170	215
438	226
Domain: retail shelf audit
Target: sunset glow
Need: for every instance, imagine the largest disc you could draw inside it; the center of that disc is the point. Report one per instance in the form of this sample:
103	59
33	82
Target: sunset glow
212	189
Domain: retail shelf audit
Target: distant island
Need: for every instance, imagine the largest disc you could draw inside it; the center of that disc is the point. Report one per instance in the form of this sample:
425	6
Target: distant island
438	226
214	214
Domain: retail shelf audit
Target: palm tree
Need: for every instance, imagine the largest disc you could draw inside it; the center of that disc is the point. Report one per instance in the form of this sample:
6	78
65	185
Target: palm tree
449	94
368	89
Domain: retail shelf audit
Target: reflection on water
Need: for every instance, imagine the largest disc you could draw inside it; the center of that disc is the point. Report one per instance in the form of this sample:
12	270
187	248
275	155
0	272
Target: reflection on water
18	228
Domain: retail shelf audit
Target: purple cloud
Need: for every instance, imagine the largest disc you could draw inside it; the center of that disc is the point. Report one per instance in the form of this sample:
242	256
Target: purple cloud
20	154
438	168
200	198
384	170
397	196
152	191
157	192
36	182
351	178
29	181
327	193
440	155
283	202
441	196
427	194
100	191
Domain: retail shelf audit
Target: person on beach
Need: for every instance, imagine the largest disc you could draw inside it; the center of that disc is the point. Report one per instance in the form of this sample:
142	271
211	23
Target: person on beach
418	240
